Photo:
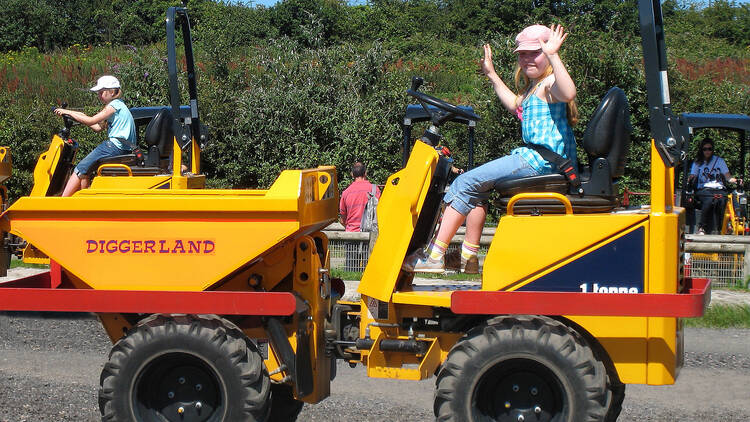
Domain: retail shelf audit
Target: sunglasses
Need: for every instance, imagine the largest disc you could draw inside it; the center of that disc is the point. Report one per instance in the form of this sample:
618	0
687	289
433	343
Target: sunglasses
708	149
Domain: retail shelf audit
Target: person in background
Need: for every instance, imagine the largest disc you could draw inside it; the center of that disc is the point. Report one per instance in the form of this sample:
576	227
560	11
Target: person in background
351	207
354	198
710	172
116	118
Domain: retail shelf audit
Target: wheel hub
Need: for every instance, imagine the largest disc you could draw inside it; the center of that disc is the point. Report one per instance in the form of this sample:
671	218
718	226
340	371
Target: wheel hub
178	387
518	391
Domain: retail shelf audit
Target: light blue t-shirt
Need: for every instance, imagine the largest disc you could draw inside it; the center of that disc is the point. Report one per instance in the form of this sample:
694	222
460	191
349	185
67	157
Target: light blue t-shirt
121	126
710	171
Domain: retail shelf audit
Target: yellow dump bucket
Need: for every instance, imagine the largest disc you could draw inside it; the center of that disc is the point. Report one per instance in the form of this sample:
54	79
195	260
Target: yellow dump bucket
172	239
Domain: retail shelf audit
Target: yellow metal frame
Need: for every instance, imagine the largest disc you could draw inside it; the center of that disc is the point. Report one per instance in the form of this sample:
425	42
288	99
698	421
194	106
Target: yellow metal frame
190	239
732	224
643	349
46	165
262	239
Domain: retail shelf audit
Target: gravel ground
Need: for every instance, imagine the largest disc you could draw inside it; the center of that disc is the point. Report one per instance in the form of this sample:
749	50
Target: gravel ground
50	366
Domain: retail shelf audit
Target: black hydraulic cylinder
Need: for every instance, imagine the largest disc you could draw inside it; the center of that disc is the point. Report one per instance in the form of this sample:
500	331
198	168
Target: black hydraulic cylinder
408	346
364	343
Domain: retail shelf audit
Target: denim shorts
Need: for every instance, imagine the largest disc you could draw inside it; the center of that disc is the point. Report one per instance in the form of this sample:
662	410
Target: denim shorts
103	150
473	188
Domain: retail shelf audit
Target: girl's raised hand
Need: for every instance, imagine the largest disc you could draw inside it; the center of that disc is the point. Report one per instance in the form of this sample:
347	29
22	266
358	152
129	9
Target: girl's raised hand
556	38
488	67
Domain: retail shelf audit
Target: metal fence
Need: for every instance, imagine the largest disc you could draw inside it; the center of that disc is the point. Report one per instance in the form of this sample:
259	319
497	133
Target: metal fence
723	269
351	254
723	259
349	250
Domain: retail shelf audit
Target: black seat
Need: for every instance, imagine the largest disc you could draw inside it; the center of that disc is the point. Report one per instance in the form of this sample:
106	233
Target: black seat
159	138
606	142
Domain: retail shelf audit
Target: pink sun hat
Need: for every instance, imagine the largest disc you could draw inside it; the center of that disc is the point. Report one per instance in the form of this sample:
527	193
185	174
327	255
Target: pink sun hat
528	39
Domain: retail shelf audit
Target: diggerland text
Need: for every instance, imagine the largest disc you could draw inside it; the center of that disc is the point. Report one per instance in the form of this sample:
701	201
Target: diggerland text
160	246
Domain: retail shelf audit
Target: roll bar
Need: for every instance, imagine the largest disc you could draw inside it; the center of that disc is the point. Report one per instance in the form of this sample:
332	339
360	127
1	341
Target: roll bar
669	141
188	131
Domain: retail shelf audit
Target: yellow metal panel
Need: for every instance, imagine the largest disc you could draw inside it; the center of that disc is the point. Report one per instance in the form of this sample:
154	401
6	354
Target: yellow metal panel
314	287
189	182
425	298
6	164
45	166
171	255
121	183
115	325
624	340
176	158
183	239
195	157
32	255
389	365
526	246
398	210
666	220
662	351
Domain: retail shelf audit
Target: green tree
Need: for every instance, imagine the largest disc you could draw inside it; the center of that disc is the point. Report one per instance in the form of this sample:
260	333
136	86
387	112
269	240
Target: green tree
23	26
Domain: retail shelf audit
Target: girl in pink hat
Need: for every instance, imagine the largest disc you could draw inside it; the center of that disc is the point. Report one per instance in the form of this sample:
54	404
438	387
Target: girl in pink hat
544	102
116	118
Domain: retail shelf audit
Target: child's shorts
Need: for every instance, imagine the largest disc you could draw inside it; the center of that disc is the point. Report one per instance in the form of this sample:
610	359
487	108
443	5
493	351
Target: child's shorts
103	150
472	189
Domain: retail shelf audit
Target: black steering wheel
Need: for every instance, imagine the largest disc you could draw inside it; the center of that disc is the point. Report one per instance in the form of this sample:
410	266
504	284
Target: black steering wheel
67	120
450	109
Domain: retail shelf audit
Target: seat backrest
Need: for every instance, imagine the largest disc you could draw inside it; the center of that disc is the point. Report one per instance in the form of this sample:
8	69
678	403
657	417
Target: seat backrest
608	132
159	133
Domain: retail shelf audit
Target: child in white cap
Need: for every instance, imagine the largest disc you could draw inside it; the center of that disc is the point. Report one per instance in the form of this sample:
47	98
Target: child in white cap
544	101
116	118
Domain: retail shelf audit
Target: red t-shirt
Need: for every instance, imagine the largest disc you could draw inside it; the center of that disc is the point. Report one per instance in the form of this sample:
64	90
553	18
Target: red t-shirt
353	201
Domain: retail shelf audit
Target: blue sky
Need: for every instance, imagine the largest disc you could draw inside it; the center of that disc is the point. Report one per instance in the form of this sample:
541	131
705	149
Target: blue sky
272	2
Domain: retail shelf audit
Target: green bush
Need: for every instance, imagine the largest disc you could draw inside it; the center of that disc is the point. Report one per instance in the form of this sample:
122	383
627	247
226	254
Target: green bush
332	89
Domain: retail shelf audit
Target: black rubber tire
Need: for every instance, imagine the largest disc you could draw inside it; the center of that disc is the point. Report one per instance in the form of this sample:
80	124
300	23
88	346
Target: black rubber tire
513	364
615	405
168	362
284	407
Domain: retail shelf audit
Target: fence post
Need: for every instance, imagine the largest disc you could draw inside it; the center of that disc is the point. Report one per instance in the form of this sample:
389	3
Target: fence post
746	271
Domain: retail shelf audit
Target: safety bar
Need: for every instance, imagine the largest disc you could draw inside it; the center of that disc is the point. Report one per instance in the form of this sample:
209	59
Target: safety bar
680	305
540	195
39	292
113	166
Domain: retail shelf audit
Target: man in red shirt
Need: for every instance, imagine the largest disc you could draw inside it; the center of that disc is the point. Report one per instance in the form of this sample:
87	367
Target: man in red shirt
352	206
354	198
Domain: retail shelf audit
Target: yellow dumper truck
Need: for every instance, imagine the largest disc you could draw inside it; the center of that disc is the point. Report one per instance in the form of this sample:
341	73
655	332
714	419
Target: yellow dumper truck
221	307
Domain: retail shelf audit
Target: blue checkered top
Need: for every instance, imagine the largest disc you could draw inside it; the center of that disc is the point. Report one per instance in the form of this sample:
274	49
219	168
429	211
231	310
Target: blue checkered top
547	125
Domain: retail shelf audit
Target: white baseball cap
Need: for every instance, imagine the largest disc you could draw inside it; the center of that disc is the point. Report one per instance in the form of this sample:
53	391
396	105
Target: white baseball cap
106	82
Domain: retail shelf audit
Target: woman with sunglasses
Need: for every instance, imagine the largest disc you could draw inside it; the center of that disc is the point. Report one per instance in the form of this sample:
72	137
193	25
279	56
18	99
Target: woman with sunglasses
711	173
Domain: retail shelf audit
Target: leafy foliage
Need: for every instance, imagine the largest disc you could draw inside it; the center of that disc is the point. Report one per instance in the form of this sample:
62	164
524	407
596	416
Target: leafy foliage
311	82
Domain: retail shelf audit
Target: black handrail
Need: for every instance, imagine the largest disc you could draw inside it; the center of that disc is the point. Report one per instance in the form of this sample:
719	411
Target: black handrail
191	129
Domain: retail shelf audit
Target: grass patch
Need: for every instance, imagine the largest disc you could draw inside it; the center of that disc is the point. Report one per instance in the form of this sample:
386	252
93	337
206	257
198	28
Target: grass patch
737	288
17	263
723	316
349	275
345	275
